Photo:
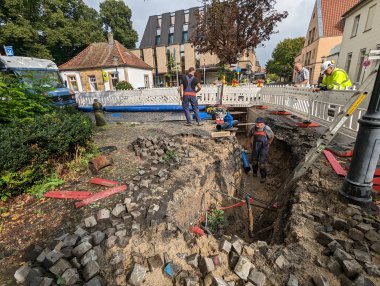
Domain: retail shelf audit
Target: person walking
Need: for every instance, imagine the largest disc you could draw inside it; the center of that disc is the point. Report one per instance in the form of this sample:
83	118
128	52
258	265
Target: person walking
335	78
189	88
303	75
260	137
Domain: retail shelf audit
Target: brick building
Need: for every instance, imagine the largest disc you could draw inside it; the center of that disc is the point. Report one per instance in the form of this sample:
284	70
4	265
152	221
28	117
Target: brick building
167	36
101	66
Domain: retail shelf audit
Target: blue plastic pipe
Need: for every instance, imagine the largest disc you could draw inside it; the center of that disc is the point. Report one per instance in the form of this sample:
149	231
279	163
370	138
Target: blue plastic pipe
140	108
246	165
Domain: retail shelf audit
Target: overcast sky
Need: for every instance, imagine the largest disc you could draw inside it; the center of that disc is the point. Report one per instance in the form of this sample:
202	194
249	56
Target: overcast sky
294	26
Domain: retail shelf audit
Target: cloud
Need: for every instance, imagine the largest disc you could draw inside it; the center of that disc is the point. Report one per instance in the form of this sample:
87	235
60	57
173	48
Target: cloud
294	26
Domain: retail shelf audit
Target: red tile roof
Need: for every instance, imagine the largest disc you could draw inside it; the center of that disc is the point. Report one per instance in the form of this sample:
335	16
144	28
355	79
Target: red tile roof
332	11
99	55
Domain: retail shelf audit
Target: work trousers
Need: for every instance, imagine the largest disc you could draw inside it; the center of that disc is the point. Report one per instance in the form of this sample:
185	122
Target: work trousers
260	155
187	100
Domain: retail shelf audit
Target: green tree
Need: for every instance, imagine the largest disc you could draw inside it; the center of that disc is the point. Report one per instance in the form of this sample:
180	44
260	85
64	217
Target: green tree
282	61
116	17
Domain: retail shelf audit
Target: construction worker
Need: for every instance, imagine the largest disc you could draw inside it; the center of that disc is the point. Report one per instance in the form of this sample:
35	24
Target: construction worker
188	94
335	78
260	137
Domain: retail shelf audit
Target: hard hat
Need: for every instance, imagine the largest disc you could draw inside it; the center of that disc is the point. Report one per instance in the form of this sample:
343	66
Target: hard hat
259	120
325	66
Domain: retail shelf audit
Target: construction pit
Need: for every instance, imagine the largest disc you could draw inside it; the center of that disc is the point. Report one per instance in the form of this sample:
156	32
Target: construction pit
154	232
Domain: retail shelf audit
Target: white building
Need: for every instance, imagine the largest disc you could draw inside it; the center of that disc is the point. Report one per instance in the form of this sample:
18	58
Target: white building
101	66
361	35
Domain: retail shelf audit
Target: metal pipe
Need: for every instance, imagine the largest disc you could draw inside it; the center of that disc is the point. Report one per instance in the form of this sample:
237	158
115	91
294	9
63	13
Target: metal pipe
223	126
358	183
246	165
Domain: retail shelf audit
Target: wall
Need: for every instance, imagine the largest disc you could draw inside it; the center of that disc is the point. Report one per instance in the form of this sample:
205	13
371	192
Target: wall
84	74
64	75
136	77
189	56
363	40
161	59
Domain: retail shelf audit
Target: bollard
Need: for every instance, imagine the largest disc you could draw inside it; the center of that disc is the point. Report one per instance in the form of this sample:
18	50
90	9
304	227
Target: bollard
99	113
358	183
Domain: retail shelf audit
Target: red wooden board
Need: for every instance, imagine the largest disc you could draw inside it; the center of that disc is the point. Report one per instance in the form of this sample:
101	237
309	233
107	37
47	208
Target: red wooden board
377	172
103	182
334	163
376	181
305	125
280	113
340	152
376	188
262	107
101	195
75	195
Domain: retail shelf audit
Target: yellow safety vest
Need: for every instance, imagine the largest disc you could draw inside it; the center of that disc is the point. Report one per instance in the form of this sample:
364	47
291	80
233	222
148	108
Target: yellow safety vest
337	80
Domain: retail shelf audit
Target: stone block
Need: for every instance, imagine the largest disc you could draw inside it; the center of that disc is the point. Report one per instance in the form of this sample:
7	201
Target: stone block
117	258
90	222
372	236
118	210
155	262
110	231
334	266
237	244
103	214
324	238
122	241
206	265
243	268
137	275
320	280
98	237
257	278
362	256
292	281
339	224
225	246
96	281
363	281
74	262
333	245
88	256
193	260
111	241
90	270
70	276
51	258
82	249
60	267
121	233
218	281
21	273
364	227
351	268
233	258
282	262
340	255
355	234
80	232
40	258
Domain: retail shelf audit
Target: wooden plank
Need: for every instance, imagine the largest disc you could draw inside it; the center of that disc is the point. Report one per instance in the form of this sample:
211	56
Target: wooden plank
244	124
220	134
74	195
101	195
103	182
376	181
377	172
334	163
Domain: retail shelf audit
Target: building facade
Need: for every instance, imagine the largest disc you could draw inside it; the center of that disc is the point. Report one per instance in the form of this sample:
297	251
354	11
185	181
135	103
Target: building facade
100	66
361	35
165	46
324	33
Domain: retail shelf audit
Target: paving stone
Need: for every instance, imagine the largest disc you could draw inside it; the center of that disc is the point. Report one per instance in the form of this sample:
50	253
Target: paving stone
109	231
131	207
40	258
372	236
51	258
355	234
334	266
155	262
363	281
292	281
206	265
117	258
218	281
88	256
372	269
257	278
135	214
80	232
339	224
248	251
145	184
61	266
120	226
122	241
358	218
70	276
21	273
103	214
111	241
98	237
118	210
376	247
351	268
364	227
82	249
350	211
74	262
237	244
333	245
324	238
135	227
87	238
121	233
70	240
193	260
233	258
96	281
137	276
362	256
281	262
90	222
90	270
340	255
225	246
320	280
243	267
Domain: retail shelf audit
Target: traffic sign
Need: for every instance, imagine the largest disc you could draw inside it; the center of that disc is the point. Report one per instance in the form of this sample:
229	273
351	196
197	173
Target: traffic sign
238	69
366	63
9	51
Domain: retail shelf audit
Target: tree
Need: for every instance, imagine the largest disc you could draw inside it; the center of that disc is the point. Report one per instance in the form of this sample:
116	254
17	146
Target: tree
226	28
117	17
282	61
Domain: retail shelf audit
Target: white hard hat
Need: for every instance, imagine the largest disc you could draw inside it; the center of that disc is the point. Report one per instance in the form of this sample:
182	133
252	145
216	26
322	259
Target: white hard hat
325	66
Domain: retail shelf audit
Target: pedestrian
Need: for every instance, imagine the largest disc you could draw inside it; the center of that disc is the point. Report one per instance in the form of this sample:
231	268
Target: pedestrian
303	75
260	137
334	78
190	86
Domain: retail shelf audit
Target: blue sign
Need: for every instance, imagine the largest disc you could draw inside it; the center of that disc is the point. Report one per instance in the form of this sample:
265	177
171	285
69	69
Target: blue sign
9	51
238	69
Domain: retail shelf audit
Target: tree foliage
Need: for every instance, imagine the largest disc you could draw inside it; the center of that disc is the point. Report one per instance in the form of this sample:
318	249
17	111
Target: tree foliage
116	17
282	61
229	27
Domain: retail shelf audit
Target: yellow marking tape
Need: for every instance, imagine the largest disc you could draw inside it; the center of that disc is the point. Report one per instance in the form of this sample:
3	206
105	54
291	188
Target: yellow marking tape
356	104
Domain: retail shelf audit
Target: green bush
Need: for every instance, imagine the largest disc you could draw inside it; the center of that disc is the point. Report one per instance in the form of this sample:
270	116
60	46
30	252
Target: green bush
123	85
31	147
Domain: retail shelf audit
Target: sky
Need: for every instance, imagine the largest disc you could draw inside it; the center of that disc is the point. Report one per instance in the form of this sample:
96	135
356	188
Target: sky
295	25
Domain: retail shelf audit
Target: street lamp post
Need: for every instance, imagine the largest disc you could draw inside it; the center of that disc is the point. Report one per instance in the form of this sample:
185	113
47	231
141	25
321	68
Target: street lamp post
115	61
238	57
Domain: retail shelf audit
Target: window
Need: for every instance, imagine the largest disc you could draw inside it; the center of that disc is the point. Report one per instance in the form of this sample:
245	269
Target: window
172	20
348	62
186	18
146	81
371	12
355	26
114	79
171	38
93	84
360	64
73	84
158	39
184	37
159	20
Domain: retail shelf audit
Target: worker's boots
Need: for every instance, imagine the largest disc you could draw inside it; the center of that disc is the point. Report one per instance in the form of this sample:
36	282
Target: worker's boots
263	180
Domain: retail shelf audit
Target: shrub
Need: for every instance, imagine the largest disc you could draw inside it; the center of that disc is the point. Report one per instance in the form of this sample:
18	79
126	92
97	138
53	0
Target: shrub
123	85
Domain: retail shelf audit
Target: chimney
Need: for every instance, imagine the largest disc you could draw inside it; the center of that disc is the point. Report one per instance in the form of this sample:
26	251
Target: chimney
110	38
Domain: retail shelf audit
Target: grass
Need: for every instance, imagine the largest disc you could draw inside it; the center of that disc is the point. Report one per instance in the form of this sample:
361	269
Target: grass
170	155
215	219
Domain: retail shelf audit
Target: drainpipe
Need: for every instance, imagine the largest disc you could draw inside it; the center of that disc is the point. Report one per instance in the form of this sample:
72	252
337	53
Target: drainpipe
358	183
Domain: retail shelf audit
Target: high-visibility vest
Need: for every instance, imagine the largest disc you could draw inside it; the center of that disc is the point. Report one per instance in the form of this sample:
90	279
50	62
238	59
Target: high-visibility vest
337	80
